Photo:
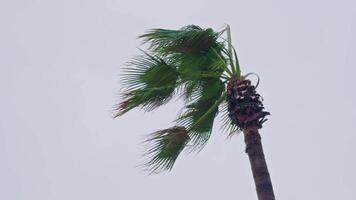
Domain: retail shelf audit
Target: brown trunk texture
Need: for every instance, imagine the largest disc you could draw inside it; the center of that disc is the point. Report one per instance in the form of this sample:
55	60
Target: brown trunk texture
247	112
258	164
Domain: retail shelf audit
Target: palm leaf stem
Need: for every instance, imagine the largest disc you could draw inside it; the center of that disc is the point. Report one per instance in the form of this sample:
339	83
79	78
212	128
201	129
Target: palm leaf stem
237	70
228	32
225	65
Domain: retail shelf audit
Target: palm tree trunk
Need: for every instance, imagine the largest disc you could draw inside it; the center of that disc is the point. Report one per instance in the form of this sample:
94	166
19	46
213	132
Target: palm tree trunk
259	169
247	112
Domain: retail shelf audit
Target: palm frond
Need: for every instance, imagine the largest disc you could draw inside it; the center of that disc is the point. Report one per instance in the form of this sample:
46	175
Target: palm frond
149	82
199	114
164	146
187	40
195	70
200	65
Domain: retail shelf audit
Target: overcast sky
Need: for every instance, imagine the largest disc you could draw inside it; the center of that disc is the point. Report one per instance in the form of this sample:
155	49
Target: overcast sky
60	64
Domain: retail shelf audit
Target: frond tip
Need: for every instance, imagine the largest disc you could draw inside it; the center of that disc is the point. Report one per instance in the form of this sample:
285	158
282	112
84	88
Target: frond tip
164	147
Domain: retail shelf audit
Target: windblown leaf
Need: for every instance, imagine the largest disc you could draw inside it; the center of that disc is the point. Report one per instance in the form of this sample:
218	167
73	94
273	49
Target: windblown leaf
200	113
149	81
195	70
196	53
164	147
189	39
198	66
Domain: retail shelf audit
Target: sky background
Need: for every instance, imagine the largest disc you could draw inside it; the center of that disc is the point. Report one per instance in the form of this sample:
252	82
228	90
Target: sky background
60	65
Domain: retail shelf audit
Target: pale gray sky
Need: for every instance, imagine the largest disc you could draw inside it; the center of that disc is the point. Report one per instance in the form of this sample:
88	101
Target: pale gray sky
60	62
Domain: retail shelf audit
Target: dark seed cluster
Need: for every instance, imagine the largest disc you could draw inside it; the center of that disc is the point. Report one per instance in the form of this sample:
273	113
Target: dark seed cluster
245	104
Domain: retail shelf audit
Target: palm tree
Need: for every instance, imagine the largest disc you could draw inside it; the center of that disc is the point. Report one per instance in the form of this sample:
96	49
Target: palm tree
202	67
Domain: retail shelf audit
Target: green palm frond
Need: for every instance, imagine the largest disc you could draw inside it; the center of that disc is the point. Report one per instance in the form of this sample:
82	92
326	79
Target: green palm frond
149	81
200	65
199	114
192	62
164	147
187	40
195	70
195	51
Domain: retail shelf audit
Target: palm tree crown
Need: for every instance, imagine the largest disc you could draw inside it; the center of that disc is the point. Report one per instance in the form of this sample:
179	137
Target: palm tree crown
193	63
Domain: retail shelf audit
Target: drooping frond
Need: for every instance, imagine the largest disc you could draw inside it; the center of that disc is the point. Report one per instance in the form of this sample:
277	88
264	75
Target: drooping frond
189	39
164	147
149	82
199	113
